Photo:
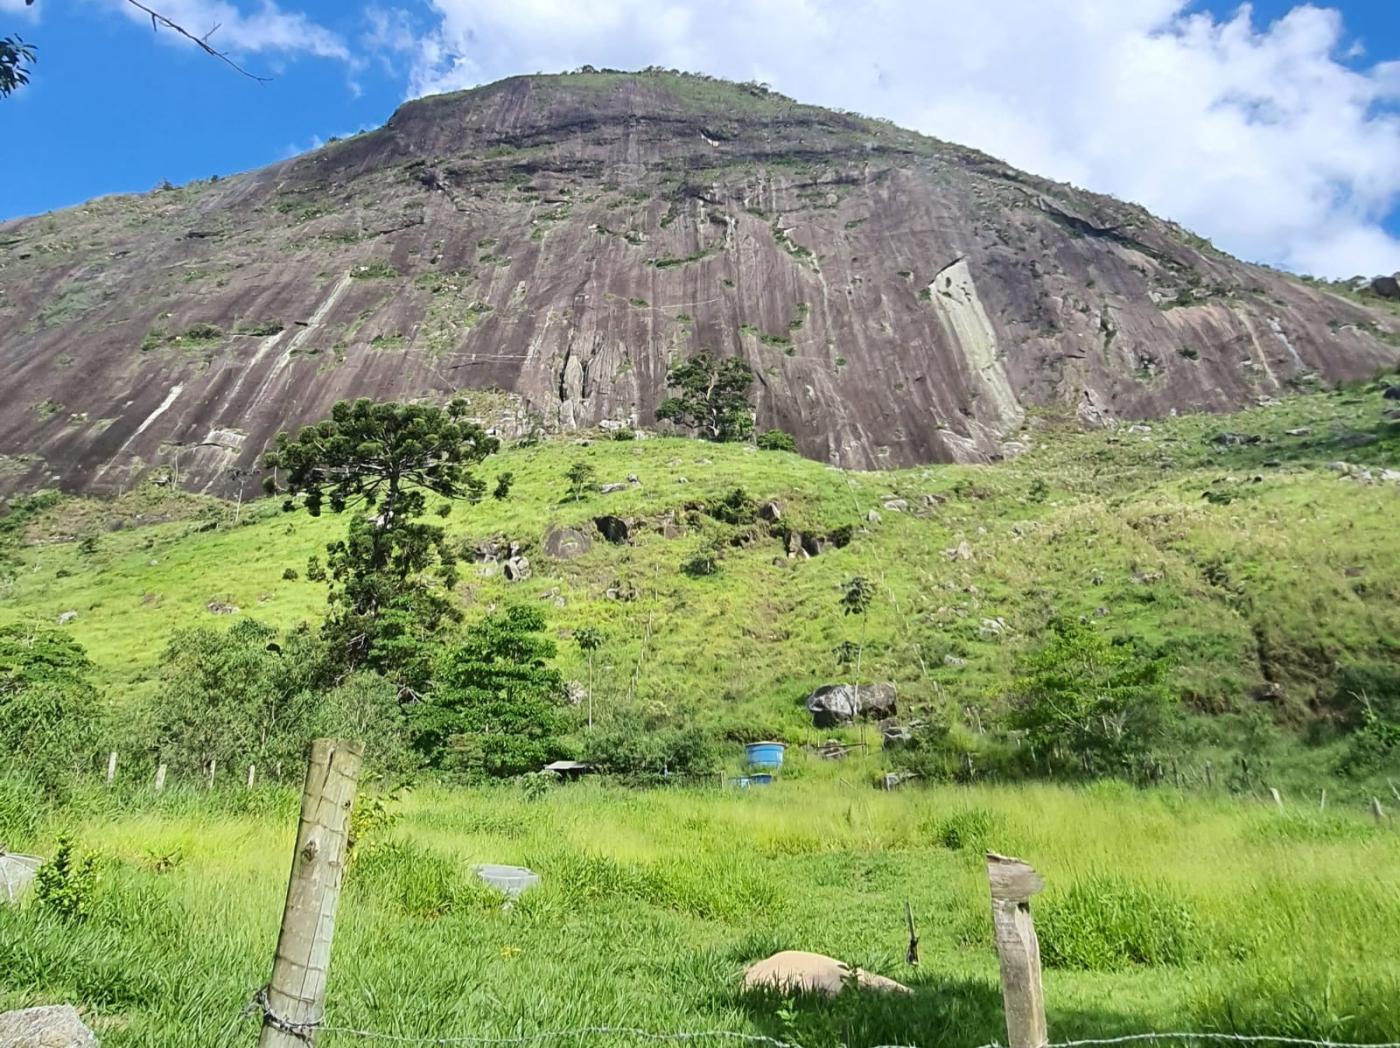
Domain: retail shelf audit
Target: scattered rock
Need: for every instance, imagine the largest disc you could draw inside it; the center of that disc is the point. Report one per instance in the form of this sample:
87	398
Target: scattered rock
608	489
614	529
992	627
1301	431
567	543
1391	393
517	569
220	607
671	528
962	551
953	661
633	480
892	736
1231	440
834	704
66	617
796	971
50	1026
771	512
1139	428
896	505
1270	691
872	517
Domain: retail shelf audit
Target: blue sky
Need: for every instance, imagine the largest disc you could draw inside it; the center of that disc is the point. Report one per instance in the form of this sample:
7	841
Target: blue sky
1274	130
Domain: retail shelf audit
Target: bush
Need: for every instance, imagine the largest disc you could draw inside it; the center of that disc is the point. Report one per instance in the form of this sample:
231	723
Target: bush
239	696
290	575
495	706
642	753
48	709
1100	703
64	885
624	434
1105	924
973	829
776	440
366	707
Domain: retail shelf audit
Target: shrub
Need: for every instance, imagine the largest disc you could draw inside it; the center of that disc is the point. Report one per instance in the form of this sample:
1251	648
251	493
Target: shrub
1107	923
64	885
973	829
239	696
776	440
48	709
638	752
624	434
1101	702
290	574
496	704
366	707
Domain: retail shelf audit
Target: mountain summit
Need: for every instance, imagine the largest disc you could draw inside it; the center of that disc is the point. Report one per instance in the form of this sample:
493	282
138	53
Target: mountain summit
562	239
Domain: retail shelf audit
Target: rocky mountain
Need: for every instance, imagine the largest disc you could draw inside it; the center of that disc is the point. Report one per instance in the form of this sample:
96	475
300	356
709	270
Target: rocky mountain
557	241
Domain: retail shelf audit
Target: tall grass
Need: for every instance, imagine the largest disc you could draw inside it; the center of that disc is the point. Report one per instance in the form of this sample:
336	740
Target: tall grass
1161	912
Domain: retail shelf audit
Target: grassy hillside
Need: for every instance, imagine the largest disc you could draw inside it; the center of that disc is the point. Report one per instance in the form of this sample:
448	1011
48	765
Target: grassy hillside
1163	912
1259	569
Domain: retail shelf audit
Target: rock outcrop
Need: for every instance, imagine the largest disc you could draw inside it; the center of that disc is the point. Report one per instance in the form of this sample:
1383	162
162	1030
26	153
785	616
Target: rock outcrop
553	242
50	1026
834	704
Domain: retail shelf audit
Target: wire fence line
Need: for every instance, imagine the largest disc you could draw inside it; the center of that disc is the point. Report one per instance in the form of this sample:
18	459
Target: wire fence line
259	1006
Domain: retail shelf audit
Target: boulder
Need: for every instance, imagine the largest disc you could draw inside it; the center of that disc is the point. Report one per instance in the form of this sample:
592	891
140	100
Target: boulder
962	551
896	505
614	529
608	489
66	617
1391	393
50	1026
872	517
1386	287
517	569
221	607
567	543
834	704
797	971
771	512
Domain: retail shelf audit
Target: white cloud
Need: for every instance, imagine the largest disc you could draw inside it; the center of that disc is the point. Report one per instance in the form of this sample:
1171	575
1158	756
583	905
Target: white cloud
266	27
1265	138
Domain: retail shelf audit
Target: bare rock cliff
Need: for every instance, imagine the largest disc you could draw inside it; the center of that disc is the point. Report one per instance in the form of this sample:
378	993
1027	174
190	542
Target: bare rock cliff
558	241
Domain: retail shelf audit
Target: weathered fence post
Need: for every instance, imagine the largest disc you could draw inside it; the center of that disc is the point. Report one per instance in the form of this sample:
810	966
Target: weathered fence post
252	775
1278	797
1013	882
1377	810
213	767
111	767
160	777
294	1001
1322	802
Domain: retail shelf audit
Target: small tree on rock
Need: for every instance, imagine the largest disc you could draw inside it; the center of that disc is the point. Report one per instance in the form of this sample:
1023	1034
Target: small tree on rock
713	398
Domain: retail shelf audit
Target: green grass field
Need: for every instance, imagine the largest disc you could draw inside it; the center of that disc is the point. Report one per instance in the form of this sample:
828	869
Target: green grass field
1253	567
1162	912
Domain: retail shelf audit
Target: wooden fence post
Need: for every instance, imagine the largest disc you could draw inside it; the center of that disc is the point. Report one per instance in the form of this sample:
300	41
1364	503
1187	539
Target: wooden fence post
1278	797
294	1001
252	774
111	767
1322	803
213	767
160	777
1013	882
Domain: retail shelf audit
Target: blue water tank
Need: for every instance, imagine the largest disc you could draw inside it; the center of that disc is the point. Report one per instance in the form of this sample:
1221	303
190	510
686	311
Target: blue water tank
765	754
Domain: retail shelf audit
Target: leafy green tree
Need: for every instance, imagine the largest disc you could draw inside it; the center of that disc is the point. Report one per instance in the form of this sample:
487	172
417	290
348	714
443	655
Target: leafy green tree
366	707
776	440
238	696
589	639
496	704
582	478
383	459
1102	702
15	59
713	398
504	481
49	715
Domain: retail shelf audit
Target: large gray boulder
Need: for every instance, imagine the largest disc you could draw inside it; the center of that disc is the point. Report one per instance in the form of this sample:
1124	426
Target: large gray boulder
567	543
834	704
1386	287
614	529
52	1026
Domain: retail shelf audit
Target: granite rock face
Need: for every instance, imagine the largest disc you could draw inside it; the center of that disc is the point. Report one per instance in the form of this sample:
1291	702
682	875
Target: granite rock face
554	243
